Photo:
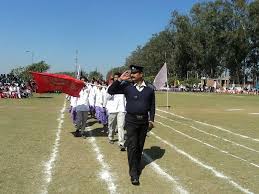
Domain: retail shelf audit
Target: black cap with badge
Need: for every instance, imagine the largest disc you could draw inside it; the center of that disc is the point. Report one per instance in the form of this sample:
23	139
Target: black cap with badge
136	69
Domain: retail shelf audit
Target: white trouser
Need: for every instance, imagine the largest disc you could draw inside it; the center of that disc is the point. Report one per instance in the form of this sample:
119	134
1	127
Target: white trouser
81	119
116	119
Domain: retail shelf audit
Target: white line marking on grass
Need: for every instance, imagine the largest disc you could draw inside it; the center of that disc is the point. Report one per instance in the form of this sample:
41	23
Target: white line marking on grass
105	173
233	109
206	124
254	113
227	140
49	165
224	139
207	167
161	172
209	145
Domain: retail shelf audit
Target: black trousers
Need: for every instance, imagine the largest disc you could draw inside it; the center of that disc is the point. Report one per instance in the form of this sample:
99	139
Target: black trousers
135	139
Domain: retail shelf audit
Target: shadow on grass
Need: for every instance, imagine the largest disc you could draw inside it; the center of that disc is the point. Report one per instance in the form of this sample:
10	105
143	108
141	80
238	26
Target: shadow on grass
43	97
154	153
76	134
160	106
91	123
97	132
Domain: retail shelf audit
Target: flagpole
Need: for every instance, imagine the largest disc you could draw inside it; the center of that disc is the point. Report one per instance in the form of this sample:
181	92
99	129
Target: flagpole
167	87
167	105
167	90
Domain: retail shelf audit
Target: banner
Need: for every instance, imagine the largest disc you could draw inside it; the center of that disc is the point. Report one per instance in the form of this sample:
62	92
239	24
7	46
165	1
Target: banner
161	78
47	82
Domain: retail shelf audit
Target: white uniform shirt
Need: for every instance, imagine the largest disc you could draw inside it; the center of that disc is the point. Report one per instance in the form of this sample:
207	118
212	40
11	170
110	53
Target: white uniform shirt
99	99
82	103
115	103
92	94
73	101
104	91
140	87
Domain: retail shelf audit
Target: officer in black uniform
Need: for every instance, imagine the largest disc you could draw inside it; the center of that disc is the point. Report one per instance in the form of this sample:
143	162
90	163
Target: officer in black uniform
139	118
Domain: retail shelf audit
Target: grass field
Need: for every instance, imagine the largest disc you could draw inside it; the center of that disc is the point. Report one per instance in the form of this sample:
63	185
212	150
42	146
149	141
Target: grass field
205	143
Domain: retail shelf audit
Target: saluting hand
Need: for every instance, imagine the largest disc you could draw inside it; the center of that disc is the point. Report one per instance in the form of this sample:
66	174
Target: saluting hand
125	76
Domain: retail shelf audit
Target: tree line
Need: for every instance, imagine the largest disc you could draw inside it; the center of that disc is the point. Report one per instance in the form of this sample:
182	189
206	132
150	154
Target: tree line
23	73
213	37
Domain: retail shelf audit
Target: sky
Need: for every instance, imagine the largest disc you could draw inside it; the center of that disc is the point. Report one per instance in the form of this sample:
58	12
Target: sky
104	32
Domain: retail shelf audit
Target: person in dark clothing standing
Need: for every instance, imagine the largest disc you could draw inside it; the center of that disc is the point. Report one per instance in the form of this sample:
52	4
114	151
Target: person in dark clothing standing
140	114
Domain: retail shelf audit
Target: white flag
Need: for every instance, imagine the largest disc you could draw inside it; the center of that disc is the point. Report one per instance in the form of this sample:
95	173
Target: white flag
161	78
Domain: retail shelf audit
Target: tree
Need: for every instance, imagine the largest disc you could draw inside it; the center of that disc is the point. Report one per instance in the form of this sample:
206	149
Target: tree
116	69
41	66
35	67
207	43
153	54
24	72
214	36
237	47
95	74
18	72
253	31
182	57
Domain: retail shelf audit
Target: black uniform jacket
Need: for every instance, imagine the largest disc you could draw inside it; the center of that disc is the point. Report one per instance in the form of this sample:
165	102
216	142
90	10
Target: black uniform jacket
138	103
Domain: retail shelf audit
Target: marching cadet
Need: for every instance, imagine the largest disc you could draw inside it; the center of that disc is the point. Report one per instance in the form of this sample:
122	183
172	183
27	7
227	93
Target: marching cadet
82	109
140	108
92	95
116	107
100	110
73	101
104	115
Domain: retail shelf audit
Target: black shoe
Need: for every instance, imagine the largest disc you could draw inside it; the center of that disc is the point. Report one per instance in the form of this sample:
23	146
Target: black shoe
122	148
135	180
77	133
111	141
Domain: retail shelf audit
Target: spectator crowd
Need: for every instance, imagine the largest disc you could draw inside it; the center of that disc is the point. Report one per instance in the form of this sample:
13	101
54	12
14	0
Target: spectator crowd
231	89
14	87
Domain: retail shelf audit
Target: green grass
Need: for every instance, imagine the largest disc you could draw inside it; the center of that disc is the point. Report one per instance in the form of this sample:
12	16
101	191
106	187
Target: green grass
28	131
212	108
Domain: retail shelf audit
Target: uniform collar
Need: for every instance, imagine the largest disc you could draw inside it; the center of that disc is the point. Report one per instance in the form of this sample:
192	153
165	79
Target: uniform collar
143	84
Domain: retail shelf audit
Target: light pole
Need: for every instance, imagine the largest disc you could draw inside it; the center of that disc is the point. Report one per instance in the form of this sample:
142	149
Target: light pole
32	55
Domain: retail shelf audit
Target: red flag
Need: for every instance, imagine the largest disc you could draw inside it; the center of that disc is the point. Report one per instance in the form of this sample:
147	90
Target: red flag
47	82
